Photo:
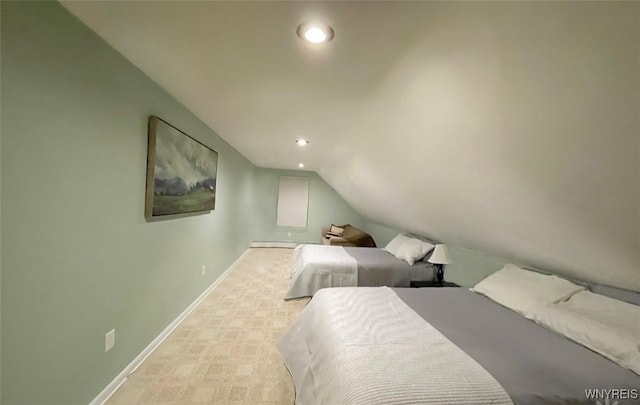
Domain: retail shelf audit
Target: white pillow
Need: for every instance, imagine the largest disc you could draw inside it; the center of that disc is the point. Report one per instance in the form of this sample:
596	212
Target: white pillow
523	291
413	250
604	325
392	247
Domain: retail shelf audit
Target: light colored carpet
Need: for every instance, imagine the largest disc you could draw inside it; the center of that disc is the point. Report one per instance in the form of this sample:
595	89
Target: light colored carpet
224	352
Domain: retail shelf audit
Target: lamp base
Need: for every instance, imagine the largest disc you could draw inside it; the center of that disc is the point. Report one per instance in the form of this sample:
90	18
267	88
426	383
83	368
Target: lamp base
439	273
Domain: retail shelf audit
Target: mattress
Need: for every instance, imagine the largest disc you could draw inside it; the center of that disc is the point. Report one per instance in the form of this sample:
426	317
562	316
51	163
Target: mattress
533	364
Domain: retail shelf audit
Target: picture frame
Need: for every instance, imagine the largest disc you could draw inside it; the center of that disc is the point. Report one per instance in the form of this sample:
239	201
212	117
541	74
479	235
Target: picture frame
181	173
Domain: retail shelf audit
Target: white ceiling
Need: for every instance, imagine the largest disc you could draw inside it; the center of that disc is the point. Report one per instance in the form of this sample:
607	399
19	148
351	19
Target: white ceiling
509	128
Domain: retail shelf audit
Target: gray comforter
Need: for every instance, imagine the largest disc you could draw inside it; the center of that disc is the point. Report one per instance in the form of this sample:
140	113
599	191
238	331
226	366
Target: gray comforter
319	266
379	268
533	364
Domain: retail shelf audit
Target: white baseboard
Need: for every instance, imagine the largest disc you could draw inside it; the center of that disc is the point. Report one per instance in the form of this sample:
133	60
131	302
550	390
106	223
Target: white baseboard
288	245
113	386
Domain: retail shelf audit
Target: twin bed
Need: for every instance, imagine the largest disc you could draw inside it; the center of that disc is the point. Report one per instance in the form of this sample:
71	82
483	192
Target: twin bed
321	266
456	346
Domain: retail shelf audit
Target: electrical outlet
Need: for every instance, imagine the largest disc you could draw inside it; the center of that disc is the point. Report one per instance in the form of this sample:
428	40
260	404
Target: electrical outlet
288	234
109	340
204	269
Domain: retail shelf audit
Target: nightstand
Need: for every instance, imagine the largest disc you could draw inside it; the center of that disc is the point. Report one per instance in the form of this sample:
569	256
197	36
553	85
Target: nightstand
419	284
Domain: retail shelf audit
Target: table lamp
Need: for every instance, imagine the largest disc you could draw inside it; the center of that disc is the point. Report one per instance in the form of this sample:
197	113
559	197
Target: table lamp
439	258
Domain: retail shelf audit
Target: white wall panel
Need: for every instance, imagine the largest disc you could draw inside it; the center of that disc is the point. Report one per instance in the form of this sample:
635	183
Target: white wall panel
293	201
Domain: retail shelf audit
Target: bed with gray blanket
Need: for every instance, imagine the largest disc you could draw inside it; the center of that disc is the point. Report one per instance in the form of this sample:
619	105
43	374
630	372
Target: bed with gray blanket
531	364
321	266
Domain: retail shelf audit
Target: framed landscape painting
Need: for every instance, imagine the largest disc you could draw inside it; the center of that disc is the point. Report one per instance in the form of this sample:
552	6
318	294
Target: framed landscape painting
181	173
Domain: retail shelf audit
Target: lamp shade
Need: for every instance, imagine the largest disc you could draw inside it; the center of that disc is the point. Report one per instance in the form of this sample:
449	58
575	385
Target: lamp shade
440	255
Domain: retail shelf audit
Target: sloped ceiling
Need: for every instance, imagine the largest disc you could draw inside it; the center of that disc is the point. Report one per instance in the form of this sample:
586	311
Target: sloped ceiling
508	128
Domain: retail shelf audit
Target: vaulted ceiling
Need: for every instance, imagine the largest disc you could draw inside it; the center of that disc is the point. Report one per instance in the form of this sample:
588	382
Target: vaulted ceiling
509	128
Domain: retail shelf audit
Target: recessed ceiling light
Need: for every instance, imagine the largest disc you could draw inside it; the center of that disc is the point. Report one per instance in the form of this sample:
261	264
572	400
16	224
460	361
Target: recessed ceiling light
301	165
315	33
302	142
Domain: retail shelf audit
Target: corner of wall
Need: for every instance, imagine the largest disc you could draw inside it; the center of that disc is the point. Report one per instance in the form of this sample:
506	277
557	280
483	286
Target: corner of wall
326	206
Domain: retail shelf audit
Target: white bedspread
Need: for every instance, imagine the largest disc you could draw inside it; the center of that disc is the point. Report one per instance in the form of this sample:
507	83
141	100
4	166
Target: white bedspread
365	345
320	266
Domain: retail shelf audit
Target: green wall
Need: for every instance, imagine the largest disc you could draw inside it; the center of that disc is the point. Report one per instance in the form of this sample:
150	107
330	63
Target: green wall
78	258
381	233
325	207
468	267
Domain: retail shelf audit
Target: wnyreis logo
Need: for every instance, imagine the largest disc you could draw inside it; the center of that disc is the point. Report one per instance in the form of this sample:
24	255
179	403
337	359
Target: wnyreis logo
610	396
